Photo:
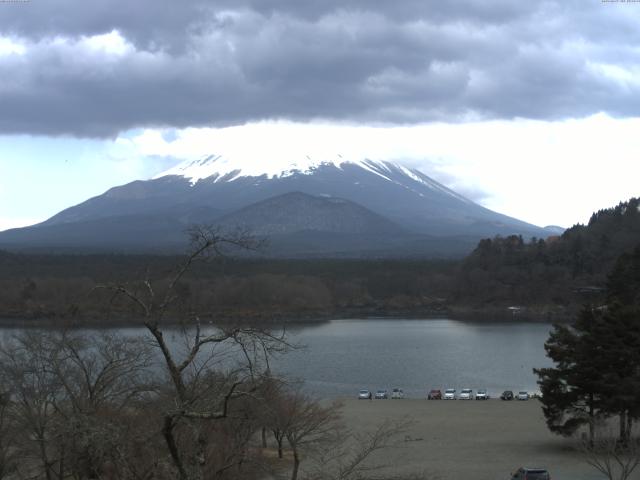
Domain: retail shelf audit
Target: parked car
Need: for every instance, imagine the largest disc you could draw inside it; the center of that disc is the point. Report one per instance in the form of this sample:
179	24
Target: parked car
482	394
434	395
523	395
466	394
397	393
450	394
525	473
382	395
506	395
364	395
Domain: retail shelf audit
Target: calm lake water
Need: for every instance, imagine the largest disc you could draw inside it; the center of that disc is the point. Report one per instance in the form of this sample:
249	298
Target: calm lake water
342	356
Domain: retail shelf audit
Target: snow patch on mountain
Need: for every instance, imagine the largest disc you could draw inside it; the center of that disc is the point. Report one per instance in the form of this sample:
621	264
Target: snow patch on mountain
219	168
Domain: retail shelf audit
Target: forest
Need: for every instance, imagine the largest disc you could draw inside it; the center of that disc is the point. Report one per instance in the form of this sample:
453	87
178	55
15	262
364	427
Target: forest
503	278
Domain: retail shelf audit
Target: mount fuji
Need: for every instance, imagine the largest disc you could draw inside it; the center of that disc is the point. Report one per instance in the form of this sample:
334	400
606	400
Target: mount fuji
309	207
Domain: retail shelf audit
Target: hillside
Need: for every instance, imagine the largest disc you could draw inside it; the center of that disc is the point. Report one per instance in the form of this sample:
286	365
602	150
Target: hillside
559	271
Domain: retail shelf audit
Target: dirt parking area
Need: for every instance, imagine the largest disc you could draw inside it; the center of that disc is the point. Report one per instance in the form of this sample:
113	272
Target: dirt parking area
479	440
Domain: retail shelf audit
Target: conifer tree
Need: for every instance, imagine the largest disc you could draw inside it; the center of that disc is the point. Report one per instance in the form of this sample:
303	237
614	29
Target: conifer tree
597	371
621	342
572	390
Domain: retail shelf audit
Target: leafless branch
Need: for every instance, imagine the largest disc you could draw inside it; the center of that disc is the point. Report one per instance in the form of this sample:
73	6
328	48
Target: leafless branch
610	457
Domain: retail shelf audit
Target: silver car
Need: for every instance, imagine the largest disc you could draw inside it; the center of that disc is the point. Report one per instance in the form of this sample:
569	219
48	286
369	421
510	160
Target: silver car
466	394
482	394
450	394
364	395
523	395
397	393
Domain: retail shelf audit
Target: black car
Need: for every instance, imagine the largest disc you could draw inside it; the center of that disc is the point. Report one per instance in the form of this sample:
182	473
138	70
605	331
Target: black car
525	473
506	395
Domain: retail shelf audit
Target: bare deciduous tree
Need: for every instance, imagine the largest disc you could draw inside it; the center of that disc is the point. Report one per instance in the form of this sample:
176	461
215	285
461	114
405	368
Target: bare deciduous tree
304	422
198	394
7	446
614	459
100	379
316	434
34	392
350	456
69	399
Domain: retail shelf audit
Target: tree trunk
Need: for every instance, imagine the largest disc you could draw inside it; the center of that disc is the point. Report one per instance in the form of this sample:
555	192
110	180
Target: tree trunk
624	435
61	465
591	421
279	440
264	437
167	432
43	455
296	464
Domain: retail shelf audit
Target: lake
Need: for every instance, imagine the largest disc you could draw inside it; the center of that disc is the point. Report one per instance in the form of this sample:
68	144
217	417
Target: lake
342	356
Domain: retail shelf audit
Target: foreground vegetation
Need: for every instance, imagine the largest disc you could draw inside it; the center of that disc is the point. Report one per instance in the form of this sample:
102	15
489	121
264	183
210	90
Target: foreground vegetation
111	407
194	407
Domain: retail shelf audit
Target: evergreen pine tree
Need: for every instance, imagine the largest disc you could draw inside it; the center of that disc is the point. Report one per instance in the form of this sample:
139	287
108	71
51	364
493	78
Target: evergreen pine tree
572	391
597	371
621	342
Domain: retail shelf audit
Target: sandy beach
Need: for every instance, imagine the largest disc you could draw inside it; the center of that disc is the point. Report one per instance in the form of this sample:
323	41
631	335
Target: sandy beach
479	440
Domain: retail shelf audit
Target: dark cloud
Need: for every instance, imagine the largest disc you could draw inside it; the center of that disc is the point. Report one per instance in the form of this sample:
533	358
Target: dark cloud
227	62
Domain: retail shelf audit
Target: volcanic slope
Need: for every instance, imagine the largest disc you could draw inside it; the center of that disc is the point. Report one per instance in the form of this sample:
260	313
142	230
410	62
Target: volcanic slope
412	213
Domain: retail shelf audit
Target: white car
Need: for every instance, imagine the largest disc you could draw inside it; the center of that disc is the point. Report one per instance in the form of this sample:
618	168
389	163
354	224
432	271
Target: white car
364	395
397	393
450	394
466	394
523	395
482	394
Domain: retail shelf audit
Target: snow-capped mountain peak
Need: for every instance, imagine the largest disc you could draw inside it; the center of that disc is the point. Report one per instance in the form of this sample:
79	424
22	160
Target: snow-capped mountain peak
317	204
219	168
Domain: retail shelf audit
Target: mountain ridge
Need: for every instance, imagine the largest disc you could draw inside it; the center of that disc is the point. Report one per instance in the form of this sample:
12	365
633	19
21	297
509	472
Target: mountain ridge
215	188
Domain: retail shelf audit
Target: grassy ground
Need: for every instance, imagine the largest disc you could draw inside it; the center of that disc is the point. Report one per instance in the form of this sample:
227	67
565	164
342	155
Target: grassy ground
479	440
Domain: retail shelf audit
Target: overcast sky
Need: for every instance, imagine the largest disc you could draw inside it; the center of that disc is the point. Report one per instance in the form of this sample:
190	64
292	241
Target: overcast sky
530	108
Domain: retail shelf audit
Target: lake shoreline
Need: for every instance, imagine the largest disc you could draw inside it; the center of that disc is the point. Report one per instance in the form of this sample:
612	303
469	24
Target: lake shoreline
537	314
339	357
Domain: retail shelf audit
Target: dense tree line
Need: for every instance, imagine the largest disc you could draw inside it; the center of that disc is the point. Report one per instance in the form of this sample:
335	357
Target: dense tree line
560	272
63	288
550	277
